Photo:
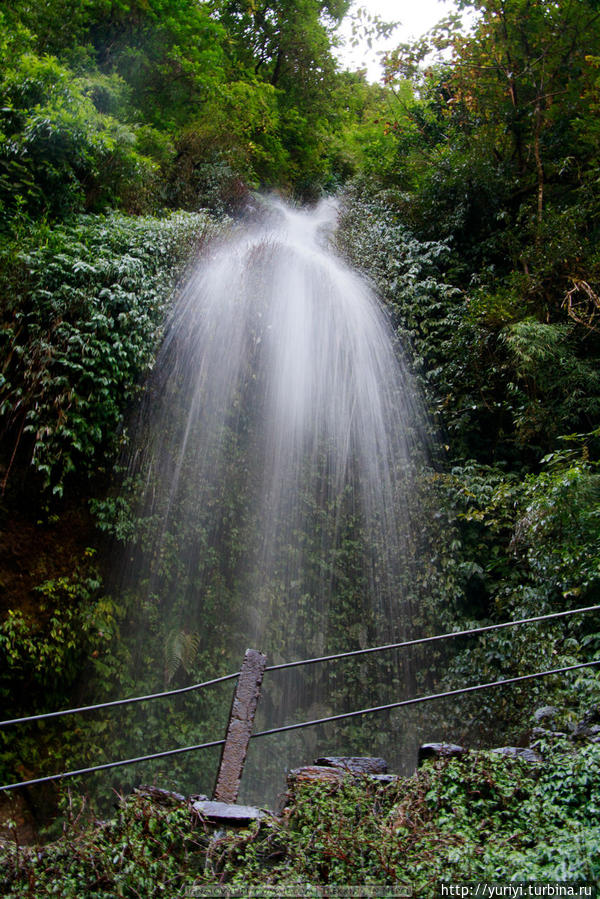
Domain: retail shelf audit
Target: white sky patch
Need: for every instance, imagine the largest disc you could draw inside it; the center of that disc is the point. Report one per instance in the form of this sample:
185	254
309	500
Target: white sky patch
415	17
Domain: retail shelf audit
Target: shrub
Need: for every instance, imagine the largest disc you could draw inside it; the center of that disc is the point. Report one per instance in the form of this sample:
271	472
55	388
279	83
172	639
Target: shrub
82	331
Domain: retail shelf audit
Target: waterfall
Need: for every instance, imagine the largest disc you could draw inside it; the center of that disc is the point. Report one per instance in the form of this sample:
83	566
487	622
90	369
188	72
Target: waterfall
273	462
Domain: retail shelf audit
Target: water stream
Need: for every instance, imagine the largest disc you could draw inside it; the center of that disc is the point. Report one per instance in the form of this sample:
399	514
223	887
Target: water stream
274	461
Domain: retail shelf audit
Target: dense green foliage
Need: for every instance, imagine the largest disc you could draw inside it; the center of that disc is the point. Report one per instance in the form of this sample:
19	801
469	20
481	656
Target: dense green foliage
481	818
145	104
128	130
81	329
480	232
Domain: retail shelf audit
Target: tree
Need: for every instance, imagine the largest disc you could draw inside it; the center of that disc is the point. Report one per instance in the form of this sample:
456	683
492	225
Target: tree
527	73
288	45
515	112
58	153
281	39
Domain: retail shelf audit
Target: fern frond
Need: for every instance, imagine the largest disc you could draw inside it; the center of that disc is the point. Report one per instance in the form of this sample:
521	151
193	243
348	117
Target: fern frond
181	650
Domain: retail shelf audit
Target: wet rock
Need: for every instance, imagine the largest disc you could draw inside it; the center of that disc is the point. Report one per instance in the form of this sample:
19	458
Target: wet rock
336	774
439	751
586	731
518	752
160	796
546	714
225	813
354	764
589	726
384	778
314	773
541	732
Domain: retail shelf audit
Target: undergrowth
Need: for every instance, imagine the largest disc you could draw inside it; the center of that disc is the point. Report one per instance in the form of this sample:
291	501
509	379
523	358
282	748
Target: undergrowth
84	304
482	817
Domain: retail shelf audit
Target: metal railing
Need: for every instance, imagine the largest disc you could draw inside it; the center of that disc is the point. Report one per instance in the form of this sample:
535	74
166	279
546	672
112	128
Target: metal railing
289	727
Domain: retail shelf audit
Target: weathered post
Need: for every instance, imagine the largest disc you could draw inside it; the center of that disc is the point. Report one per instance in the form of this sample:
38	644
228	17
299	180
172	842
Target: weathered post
239	729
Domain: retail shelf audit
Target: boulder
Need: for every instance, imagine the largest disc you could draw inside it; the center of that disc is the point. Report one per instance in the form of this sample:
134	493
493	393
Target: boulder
384	778
439	751
313	773
518	752
546	713
354	764
160	796
589	726
329	773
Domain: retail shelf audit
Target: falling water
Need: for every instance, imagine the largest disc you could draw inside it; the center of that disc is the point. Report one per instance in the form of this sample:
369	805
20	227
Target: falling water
274	459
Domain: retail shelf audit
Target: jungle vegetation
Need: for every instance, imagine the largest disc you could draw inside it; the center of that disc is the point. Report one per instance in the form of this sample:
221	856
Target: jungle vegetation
135	132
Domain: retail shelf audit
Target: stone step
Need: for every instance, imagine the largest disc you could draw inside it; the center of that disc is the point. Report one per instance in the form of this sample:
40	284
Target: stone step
226	813
354	764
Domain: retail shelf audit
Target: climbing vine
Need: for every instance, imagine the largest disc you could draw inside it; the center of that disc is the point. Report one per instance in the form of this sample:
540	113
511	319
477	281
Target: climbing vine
81	331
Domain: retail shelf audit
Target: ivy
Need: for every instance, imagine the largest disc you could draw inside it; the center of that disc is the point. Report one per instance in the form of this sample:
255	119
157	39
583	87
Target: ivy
83	330
45	649
482	817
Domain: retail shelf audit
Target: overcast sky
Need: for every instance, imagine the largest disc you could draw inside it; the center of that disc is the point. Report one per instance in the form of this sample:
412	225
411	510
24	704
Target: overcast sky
416	17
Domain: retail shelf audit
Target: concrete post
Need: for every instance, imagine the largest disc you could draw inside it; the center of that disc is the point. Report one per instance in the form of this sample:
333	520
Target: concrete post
239	729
